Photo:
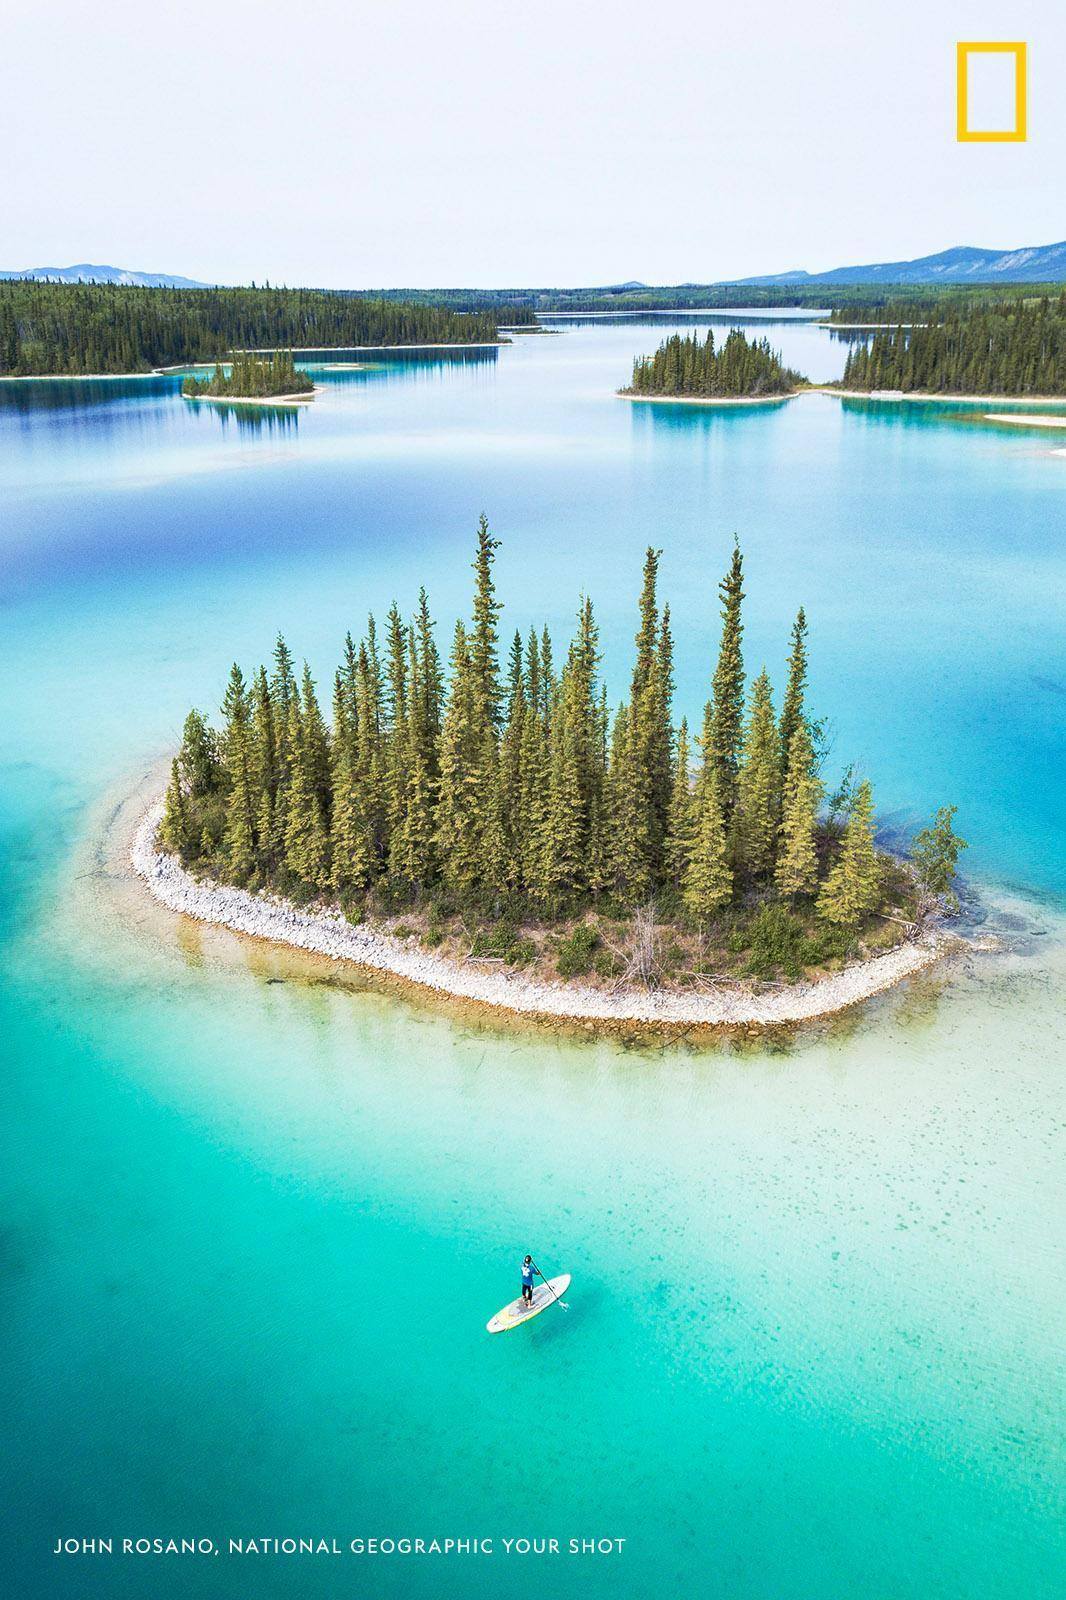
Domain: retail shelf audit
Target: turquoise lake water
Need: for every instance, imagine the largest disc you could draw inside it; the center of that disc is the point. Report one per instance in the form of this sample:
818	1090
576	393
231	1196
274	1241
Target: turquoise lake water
252	1224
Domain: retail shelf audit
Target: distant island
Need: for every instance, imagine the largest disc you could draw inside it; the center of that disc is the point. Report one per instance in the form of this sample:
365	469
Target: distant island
699	369
1009	348
503	815
252	377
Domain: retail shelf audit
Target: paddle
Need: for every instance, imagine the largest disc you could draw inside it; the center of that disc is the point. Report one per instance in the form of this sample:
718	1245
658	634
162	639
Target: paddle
547	1285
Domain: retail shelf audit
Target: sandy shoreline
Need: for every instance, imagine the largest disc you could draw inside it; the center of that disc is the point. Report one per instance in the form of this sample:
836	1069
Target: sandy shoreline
948	399
188	366
1020	419
711	400
255	399
328	933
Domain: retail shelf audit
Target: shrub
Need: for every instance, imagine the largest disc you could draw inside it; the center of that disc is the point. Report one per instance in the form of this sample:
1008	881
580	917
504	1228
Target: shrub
827	944
576	952
495	941
605	965
776	943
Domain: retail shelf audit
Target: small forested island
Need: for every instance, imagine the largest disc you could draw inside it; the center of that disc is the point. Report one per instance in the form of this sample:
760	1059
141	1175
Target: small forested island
506	815
692	368
76	328
251	377
1009	347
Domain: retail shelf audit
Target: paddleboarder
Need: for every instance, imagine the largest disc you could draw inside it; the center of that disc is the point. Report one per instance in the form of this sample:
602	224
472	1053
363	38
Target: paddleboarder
529	1272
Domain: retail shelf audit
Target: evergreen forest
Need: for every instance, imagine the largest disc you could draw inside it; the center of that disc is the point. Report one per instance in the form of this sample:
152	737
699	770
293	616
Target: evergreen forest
60	328
502	810
739	368
251	377
1009	348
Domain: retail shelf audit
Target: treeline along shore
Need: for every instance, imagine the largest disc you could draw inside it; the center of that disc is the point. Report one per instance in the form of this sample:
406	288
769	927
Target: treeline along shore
1005	348
502	812
67	329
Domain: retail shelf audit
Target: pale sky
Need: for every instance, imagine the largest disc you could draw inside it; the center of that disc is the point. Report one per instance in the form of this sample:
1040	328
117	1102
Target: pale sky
390	143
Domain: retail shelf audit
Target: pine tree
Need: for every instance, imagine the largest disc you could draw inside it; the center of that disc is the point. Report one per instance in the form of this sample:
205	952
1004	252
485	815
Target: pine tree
315	742
792	705
853	886
682	824
352	855
431	680
306	833
484	658
175	829
797	861
629	809
646	791
283	691
397	732
758	812
414	857
724	716
456	838
513	790
368	761
241	807
708	881
239	838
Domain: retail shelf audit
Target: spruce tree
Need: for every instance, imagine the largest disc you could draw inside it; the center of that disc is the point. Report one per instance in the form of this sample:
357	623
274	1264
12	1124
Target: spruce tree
792	705
306	835
414	858
241	807
456	838
565	830
175	829
431	681
758	812
708	880
630	810
796	872
682	824
513	793
352	857
853	887
724	716
397	733
484	657
283	691
315	741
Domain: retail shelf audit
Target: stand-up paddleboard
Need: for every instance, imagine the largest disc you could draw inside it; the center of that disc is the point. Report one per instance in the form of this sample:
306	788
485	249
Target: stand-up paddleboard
544	1295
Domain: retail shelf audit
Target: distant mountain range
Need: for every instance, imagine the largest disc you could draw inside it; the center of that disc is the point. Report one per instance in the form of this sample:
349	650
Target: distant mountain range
84	272
1042	263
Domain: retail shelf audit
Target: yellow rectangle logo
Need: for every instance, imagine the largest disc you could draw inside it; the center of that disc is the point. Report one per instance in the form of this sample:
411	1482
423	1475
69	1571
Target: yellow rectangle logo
1010	135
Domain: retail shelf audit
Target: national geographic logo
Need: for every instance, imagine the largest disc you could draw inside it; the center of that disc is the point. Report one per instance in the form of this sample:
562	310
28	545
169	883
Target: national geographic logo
991	100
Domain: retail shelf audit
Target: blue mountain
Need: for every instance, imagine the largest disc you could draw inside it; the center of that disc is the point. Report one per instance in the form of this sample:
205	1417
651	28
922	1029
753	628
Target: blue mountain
84	272
1042	263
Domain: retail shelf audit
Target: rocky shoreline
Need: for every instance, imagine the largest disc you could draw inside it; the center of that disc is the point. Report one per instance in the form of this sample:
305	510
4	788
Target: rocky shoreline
329	933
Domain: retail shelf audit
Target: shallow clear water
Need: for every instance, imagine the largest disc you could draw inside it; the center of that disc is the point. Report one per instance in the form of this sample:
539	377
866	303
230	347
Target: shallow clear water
253	1229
